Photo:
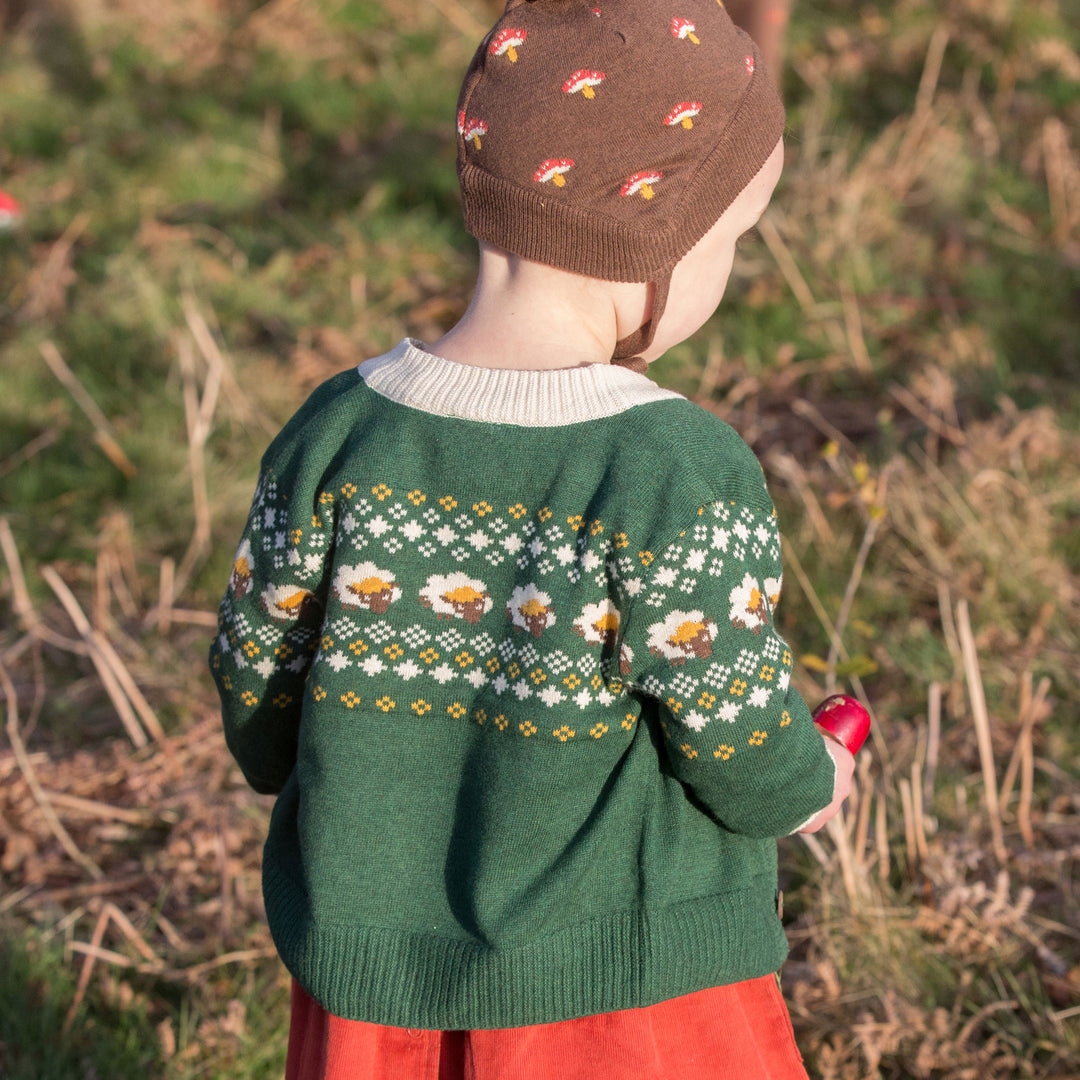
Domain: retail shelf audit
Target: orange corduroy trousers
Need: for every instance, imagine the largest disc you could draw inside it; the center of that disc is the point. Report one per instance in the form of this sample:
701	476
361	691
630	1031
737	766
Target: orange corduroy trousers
737	1032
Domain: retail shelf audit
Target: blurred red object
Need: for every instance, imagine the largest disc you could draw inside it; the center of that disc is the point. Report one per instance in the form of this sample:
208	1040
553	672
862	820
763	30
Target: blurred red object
844	720
11	211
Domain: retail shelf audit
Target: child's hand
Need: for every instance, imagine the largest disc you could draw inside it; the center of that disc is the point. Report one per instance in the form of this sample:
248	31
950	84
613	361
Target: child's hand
845	768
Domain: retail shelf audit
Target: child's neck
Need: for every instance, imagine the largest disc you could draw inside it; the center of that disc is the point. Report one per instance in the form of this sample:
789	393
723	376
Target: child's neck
530	317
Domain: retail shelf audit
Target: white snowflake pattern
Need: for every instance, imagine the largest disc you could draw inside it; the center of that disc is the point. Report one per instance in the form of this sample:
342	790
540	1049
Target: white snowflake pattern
512	543
729	711
551	695
500	683
783	679
545	566
415	636
683	684
583	698
478	539
759	697
378	525
445	535
450	639
266	634
655	599
695	559
459	553
522	689
408	669
565	554
665	576
587	664
701	534
717	674
463	521
337	660
427	549
362	507
413	530
558	662
475	678
746	662
265	667
506	650
687	585
279	561
431	515
393	544
372	665
443	673
771	648
695	720
397	511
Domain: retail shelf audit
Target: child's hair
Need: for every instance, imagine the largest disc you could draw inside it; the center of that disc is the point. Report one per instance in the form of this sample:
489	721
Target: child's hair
606	137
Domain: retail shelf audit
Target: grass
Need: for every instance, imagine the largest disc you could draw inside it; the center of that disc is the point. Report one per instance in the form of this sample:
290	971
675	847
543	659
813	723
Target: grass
229	202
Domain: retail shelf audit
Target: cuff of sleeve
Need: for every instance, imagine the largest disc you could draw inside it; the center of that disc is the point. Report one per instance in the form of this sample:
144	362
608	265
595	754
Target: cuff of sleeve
816	813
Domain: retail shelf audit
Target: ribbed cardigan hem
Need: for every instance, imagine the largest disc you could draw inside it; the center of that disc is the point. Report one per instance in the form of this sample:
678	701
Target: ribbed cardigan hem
628	959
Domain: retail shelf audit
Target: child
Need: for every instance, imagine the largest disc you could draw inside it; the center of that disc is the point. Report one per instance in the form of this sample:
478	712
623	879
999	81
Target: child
499	633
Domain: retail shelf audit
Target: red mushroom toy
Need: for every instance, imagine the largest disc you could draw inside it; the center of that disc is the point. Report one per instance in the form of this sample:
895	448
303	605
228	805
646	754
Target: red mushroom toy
553	170
473	129
641	181
684	29
842	718
584	81
11	211
684	114
506	42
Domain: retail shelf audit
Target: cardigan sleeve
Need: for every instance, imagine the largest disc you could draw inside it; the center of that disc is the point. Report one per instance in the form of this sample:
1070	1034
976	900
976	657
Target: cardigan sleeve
269	624
704	645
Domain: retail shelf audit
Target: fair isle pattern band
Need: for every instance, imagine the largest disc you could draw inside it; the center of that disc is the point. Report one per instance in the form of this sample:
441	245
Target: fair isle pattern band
530	628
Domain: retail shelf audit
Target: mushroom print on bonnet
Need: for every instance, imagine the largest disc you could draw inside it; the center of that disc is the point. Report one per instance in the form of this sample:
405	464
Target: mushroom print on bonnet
684	30
641	182
507	42
583	82
553	170
683	114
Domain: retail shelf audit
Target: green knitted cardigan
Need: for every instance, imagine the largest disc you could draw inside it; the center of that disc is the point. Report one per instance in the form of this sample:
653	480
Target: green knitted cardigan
502	642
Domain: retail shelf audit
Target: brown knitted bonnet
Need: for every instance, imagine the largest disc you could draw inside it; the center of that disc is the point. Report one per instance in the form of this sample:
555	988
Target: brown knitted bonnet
606	137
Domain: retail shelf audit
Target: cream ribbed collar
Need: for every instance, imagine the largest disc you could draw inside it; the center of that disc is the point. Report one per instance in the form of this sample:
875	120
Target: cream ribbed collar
411	376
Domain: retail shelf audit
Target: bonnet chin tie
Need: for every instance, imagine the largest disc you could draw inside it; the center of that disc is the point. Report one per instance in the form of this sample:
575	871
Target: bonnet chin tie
628	349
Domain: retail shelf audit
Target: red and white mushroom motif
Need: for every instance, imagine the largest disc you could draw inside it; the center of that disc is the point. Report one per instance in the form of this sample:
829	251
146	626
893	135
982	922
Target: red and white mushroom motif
684	29
507	41
553	170
641	181
683	113
473	129
10	211
596	12
461	122
584	81
749	65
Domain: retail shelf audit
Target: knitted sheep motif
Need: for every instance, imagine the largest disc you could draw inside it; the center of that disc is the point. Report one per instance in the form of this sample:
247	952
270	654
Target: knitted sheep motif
366	586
